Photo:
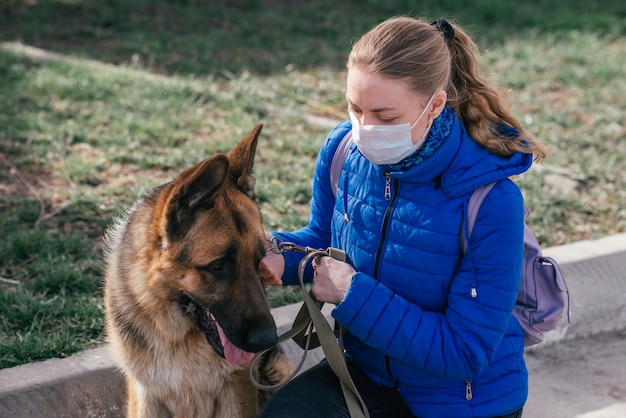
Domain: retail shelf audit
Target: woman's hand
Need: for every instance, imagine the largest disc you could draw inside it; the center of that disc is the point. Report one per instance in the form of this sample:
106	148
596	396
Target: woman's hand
331	280
272	265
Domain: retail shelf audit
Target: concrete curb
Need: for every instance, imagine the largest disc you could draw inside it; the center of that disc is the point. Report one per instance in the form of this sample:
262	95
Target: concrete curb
88	384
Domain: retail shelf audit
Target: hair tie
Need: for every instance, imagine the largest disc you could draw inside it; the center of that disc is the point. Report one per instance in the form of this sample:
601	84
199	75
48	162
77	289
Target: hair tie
445	28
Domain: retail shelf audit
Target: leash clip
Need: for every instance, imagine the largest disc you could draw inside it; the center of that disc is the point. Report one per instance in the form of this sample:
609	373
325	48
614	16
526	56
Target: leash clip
278	246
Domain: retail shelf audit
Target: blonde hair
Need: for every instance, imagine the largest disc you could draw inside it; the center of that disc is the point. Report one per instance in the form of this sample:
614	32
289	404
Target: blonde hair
437	55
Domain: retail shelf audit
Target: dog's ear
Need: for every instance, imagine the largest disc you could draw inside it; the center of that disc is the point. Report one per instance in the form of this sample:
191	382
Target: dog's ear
242	161
194	188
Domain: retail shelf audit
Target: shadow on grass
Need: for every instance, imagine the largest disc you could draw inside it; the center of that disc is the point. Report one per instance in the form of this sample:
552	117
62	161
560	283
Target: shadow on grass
226	37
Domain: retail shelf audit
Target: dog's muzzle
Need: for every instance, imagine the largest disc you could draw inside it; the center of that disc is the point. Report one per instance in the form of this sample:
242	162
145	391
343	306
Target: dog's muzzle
206	323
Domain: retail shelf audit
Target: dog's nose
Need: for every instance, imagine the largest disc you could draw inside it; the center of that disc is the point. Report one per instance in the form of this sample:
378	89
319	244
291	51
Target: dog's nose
261	338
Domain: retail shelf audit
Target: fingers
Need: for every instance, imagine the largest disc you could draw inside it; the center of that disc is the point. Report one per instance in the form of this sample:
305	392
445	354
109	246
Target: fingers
331	280
268	274
316	262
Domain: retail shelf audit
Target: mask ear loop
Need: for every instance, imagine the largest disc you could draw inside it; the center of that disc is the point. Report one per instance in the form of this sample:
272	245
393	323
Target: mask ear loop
423	111
430	121
427	131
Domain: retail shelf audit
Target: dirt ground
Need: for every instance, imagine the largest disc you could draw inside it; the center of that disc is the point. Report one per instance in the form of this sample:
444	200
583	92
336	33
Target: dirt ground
578	378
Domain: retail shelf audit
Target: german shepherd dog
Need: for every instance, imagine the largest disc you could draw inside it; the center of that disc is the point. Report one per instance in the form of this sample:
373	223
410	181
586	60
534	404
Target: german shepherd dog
185	307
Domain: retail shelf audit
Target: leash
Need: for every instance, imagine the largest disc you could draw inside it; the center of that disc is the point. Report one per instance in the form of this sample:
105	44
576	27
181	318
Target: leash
308	318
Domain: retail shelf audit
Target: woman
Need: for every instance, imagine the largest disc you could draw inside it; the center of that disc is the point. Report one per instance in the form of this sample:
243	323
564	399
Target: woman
430	331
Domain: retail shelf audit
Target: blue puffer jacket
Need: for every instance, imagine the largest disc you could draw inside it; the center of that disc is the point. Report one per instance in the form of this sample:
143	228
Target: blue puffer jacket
418	314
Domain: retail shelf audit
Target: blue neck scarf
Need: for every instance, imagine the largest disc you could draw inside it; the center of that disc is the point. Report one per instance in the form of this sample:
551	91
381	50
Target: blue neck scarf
442	126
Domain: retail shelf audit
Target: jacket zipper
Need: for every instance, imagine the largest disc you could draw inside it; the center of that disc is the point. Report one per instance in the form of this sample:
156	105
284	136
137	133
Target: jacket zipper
388	186
468	390
388	196
393	197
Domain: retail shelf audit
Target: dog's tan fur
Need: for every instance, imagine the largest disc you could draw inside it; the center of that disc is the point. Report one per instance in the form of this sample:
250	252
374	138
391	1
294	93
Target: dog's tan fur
198	237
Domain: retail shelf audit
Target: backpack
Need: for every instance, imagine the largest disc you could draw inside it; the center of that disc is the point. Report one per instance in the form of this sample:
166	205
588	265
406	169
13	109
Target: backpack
540	300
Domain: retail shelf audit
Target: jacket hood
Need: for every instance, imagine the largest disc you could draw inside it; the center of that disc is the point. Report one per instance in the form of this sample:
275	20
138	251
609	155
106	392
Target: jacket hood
461	165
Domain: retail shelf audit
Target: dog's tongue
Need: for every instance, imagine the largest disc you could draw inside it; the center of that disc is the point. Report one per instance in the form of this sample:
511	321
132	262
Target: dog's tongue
233	354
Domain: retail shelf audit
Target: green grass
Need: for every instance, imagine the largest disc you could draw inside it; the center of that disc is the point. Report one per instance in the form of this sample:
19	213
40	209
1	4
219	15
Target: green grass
156	86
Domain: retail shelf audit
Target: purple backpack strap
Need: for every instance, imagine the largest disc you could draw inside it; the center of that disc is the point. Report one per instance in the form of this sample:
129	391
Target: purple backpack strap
475	201
338	159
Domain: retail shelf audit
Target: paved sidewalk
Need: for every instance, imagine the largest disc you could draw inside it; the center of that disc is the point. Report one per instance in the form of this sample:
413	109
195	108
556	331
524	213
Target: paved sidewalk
578	372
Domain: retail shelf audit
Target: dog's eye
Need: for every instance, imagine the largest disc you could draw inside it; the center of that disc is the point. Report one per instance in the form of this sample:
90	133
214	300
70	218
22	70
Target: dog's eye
214	266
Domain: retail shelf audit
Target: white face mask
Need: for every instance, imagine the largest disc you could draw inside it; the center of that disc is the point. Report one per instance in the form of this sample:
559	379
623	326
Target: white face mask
387	144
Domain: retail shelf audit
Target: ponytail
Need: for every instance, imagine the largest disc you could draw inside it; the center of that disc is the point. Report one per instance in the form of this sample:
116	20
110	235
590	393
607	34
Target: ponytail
480	105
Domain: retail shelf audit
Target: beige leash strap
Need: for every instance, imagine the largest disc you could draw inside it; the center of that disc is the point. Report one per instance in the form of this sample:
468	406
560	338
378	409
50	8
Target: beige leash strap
333	352
309	317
